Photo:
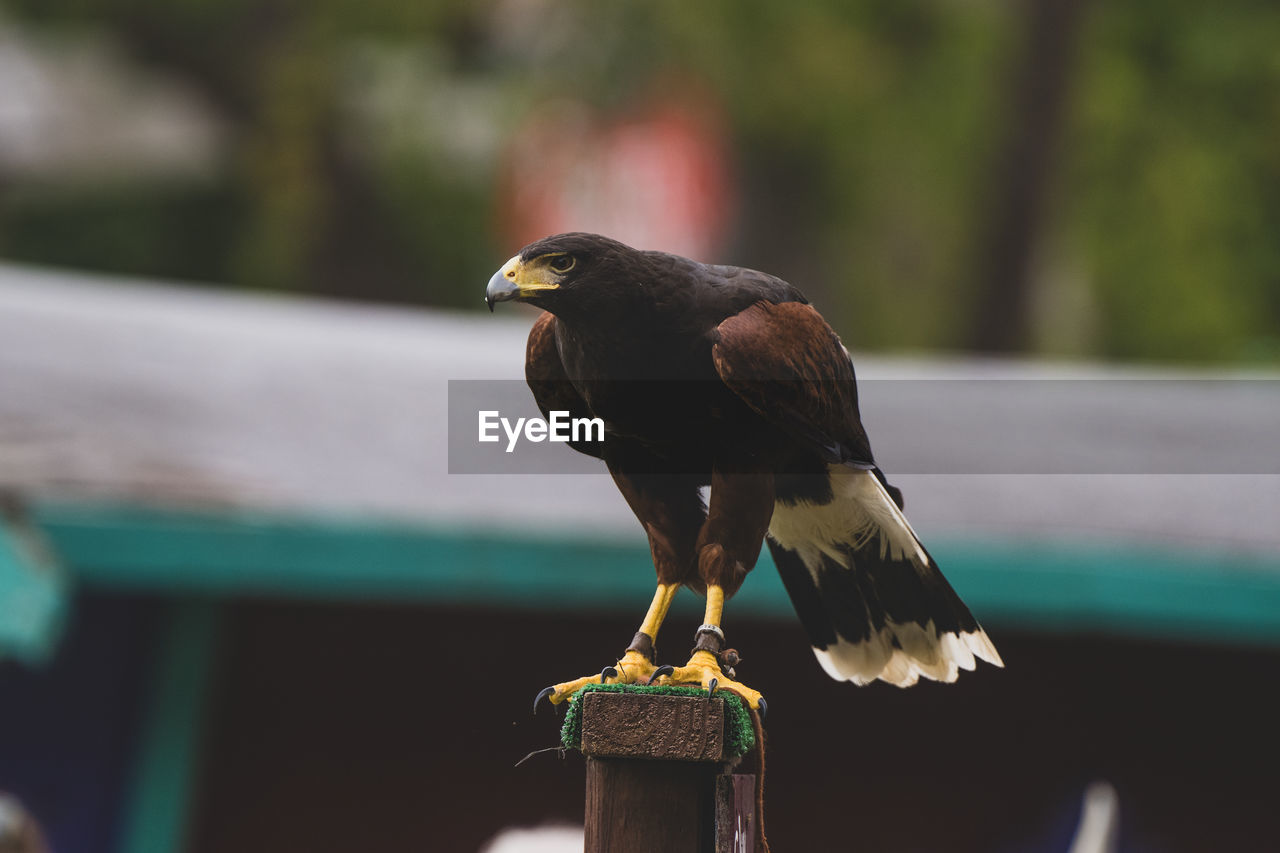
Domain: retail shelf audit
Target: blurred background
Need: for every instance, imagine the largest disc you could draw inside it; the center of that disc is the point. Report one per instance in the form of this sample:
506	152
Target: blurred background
1043	176
243	246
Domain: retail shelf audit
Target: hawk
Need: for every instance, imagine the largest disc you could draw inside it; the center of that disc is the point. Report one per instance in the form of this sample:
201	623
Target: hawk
727	379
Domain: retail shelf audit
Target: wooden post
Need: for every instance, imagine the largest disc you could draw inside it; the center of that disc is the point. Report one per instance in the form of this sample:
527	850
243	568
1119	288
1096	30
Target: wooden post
657	778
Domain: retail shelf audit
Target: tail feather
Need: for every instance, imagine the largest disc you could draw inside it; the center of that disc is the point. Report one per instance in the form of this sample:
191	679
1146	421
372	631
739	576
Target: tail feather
871	599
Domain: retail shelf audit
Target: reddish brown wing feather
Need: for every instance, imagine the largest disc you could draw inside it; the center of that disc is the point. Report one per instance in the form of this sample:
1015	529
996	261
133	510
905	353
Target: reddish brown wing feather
787	363
551	388
669	506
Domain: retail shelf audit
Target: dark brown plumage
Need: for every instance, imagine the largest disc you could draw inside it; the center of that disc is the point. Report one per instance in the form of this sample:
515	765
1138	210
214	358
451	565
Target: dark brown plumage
725	377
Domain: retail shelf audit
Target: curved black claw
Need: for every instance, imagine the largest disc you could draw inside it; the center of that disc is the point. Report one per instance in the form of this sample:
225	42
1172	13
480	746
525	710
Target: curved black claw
764	708
546	691
665	669
711	688
608	672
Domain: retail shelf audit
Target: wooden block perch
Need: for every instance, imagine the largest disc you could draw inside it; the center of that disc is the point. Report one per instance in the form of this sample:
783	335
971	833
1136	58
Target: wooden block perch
658	778
652	725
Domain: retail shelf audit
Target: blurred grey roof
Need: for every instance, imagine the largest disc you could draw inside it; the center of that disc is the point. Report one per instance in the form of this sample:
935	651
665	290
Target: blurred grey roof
129	392
72	105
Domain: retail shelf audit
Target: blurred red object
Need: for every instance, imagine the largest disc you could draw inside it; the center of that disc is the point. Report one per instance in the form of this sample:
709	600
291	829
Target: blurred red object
656	177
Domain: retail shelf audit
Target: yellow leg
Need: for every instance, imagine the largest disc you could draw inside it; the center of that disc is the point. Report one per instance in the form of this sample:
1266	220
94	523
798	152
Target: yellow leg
634	666
715	606
703	667
658	609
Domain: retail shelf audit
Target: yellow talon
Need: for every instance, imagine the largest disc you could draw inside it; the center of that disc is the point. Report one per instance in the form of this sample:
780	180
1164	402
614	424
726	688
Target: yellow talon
702	668
633	668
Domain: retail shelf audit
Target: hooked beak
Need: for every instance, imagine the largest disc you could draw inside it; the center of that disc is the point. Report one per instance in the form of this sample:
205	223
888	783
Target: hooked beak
502	286
516	280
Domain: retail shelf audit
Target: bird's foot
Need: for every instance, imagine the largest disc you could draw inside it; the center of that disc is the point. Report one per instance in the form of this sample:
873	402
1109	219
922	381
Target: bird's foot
633	668
703	669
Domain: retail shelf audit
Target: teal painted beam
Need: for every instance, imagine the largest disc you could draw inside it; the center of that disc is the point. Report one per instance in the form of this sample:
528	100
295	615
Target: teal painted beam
33	592
183	553
160	797
1125	588
1133	589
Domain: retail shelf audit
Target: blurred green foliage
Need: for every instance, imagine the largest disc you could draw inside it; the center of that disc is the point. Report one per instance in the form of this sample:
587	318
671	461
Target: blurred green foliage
364	138
1172	188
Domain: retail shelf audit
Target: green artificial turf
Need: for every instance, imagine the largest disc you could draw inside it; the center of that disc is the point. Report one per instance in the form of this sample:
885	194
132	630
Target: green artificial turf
740	736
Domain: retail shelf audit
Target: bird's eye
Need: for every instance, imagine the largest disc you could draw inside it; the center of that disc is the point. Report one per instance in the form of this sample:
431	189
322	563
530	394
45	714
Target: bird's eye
562	263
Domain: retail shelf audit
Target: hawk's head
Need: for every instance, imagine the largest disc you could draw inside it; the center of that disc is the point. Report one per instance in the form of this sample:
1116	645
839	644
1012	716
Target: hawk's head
568	270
